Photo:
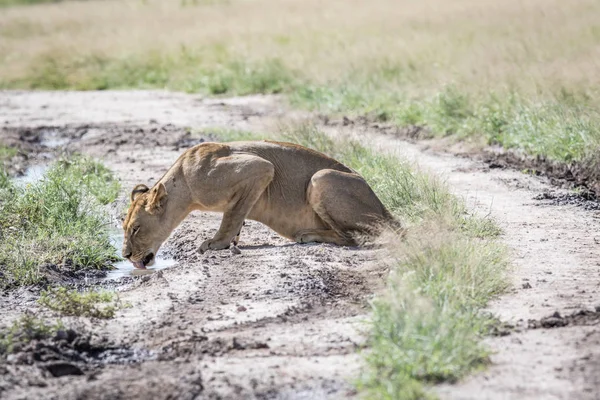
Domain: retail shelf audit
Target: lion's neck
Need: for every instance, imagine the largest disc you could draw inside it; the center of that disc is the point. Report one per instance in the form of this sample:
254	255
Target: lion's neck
179	200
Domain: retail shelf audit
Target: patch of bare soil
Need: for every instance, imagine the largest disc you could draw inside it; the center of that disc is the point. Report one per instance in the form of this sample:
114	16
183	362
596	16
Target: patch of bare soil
283	320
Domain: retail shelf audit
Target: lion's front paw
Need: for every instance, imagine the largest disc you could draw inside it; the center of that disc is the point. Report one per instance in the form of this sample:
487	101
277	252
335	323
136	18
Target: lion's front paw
211	245
204	246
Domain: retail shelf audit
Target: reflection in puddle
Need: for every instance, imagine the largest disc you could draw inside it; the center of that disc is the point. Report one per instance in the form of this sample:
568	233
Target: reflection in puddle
126	268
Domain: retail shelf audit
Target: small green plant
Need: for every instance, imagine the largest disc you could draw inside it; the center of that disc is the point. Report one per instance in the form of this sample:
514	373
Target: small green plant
24	330
92	304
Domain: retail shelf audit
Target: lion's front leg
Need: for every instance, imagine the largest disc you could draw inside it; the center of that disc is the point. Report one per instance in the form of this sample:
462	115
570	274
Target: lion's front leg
250	179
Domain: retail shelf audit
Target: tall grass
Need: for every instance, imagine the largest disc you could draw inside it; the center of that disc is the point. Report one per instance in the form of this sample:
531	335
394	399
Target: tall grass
57	220
427	326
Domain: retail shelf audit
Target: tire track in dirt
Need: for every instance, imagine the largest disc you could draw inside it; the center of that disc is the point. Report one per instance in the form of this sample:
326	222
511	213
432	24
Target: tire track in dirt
275	344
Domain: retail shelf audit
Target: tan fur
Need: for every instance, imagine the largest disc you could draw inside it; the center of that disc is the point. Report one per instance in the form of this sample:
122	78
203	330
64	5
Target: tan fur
298	192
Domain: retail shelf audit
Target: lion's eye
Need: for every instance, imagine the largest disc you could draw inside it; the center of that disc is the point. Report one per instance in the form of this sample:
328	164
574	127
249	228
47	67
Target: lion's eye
135	230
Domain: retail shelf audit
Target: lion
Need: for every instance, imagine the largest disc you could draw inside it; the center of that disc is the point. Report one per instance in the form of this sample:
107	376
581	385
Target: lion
298	192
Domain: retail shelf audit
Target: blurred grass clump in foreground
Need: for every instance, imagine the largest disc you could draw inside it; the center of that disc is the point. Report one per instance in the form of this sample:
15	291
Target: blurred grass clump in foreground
57	220
521	74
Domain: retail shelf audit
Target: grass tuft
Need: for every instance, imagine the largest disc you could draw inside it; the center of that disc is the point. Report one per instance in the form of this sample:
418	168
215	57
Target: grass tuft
93	304
58	220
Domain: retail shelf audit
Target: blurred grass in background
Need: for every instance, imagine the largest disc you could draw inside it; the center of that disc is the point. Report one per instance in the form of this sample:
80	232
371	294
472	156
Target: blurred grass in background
522	74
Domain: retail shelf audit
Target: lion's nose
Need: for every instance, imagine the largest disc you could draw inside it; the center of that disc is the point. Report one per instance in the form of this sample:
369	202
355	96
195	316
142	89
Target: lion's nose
126	253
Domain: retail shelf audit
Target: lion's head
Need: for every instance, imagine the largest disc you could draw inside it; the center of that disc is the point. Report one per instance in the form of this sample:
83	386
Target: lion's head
144	227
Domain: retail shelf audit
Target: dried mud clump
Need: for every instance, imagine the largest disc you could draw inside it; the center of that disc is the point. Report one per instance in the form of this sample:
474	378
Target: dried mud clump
556	320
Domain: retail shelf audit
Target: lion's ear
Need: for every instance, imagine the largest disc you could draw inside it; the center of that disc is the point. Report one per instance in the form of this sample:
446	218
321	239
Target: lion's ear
157	198
137	190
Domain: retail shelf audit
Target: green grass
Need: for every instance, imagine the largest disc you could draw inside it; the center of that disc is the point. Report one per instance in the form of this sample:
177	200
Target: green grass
563	129
427	327
58	220
92	304
6	153
183	71
8	3
23	331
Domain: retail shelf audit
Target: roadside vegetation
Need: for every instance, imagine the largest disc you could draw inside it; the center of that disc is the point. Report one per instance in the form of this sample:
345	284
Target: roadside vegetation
56	223
427	327
521	75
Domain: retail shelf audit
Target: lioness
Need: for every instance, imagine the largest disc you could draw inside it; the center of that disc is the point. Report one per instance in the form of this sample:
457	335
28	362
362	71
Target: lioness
300	193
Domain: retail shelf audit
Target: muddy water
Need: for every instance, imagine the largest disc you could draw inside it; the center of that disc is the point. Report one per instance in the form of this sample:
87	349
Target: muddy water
126	268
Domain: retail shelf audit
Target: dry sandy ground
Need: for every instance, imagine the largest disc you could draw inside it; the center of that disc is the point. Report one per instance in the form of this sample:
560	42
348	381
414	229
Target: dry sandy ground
283	320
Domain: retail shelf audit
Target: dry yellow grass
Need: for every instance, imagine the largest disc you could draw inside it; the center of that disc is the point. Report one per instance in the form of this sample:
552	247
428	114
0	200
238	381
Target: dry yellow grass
535	46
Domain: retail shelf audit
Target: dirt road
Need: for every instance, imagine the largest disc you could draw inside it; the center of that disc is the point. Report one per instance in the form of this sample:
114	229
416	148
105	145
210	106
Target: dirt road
283	320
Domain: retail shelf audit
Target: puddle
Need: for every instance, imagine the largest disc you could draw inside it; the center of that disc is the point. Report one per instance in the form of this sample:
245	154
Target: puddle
52	139
126	268
32	174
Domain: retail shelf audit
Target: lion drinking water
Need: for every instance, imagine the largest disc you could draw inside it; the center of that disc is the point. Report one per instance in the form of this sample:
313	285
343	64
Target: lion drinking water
300	193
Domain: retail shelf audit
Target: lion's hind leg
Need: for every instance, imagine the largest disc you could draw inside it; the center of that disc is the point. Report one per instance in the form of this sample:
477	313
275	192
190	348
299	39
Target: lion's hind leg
347	204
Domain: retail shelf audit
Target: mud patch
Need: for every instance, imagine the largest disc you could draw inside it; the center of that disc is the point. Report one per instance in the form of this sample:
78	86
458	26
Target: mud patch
200	344
71	349
583	175
556	320
586	200
68	352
